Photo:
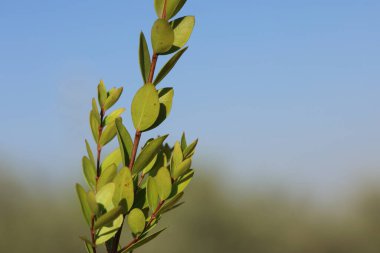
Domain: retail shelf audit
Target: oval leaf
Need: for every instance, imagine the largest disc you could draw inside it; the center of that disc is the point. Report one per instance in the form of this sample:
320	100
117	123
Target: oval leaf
89	172
108	134
124	191
144	58
86	210
145	107
172	7
147	154
136	221
181	169
152	194
125	141
108	218
168	66
113	98
107	175
162	36
104	196
164	183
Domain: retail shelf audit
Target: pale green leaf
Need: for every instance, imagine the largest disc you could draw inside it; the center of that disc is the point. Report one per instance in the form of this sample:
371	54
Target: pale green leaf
108	134
171	203
86	210
152	194
94	124
148	153
183	182
177	156
181	168
124	191
107	175
189	151
136	221
113	98
104	196
106	233
172	7
91	199
163	183
102	93
90	154
113	115
113	157
162	36
89	172
108	218
168	66
145	107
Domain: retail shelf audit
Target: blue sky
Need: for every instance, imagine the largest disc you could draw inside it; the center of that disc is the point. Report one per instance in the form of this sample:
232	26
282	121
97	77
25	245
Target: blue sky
274	89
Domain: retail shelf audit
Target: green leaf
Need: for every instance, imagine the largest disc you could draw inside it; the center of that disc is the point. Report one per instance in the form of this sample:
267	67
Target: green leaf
108	134
166	99
106	233
162	36
142	242
104	196
94	123
181	169
124	191
189	151
172	7
183	28
89	172
183	182
113	98
102	93
95	109
136	221
125	142
164	183
113	115
108	218
171	203
86	210
88	246
144	58
177	156
113	157
148	153
145	107
168	66
150	165
107	175
90	154
152	194
92	202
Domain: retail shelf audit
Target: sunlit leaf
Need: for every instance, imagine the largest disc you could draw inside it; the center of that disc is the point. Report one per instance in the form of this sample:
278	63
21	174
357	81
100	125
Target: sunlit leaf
89	171
168	66
124	191
136	221
82	195
163	183
125	142
162	36
152	194
144	58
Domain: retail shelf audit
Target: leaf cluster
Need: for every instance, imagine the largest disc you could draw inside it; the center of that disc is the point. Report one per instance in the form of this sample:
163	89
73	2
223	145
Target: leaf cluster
132	187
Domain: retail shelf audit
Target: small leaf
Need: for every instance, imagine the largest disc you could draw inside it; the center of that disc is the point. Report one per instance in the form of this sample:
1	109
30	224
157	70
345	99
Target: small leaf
152	194
104	196
113	157
164	183
91	199
90	154
144	58
102	93
88	246
177	156
136	221
183	182
89	172
162	36
106	233
113	98
142	242
168	66
172	7
147	154
150	165
125	141
124	191
113	115
189	151
181	169
171	203
107	175
145	107
108	218
94	123
108	134
183	28
95	109
82	195
166	99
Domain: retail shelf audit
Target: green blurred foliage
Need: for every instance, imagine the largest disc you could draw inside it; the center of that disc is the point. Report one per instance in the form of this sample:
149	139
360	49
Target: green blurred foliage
215	219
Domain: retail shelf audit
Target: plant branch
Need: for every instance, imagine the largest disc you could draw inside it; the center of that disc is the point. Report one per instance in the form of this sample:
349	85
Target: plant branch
152	218
136	143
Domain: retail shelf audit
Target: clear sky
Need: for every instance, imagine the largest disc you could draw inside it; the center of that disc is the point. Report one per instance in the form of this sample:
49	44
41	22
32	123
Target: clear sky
274	89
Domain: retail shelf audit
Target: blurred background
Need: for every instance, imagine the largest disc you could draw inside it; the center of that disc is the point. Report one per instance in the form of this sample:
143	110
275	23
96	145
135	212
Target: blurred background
283	95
